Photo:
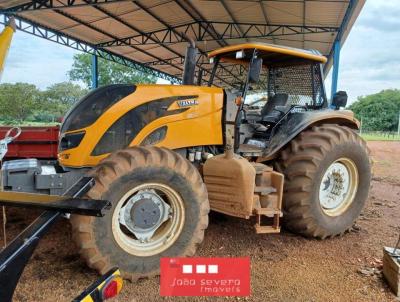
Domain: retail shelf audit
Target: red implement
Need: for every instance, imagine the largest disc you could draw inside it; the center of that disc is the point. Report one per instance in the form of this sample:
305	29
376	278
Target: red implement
34	142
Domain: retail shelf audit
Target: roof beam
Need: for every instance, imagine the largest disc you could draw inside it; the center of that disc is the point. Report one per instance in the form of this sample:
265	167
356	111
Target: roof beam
153	15
75	19
266	19
127	24
176	34
346	19
51	4
94	3
230	13
41	31
148	11
198	17
172	34
304	22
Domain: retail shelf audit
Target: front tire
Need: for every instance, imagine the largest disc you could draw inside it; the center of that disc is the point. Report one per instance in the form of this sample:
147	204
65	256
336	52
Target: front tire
159	209
327	178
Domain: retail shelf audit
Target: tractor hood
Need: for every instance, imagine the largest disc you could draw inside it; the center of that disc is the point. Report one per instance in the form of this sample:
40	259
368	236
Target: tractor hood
115	117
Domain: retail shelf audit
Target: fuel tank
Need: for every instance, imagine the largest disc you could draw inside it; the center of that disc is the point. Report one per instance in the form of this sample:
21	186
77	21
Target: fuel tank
230	182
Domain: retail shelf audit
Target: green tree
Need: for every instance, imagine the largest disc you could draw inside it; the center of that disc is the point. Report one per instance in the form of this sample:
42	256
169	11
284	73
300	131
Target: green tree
18	101
57	99
380	111
109	72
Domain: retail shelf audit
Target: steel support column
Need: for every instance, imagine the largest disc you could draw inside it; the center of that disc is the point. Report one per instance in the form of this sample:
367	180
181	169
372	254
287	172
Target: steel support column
335	71
95	71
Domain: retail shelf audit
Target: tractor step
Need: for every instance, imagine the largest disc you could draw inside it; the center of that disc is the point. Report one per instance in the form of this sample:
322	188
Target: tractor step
269	212
266	229
273	213
264	190
267	199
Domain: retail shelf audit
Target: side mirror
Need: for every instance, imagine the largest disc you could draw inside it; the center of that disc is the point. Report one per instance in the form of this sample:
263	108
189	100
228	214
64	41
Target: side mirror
255	70
339	100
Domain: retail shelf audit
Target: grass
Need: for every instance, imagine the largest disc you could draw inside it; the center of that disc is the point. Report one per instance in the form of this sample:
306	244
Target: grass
25	123
380	137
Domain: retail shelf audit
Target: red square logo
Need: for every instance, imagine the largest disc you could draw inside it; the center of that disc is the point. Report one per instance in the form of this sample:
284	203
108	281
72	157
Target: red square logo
205	276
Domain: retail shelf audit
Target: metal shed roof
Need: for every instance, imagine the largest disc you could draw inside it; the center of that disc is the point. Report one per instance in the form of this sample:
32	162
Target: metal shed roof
147	34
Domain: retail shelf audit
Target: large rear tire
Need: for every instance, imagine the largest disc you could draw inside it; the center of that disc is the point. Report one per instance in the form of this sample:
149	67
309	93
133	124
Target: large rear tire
159	209
327	178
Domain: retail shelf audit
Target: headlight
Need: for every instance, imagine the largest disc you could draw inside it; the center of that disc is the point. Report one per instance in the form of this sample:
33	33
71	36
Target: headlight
72	140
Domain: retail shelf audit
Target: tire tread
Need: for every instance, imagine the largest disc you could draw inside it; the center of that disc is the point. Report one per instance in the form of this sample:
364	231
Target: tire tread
117	165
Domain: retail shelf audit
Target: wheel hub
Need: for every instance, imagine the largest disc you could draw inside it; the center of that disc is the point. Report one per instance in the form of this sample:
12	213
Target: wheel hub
144	213
338	187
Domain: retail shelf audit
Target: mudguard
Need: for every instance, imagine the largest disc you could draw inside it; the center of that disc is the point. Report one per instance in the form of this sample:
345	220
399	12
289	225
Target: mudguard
299	121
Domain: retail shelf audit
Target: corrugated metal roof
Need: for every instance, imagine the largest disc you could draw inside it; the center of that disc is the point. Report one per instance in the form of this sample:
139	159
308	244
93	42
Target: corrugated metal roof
148	31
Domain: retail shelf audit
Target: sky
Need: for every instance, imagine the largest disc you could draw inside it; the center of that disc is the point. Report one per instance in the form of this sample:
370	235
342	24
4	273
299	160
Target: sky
370	57
369	63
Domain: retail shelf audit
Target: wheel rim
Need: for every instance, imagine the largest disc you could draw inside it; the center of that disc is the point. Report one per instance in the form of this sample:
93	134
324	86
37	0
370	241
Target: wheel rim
148	219
338	187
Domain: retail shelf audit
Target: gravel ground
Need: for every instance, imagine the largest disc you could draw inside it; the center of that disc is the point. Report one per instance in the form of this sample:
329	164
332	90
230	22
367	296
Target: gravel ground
285	267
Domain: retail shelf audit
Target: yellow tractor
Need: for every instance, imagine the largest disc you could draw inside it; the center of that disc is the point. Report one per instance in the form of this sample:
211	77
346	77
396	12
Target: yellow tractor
270	148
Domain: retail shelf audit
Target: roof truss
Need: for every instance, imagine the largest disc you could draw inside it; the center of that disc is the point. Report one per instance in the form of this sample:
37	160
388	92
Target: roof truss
54	4
199	31
160	49
71	42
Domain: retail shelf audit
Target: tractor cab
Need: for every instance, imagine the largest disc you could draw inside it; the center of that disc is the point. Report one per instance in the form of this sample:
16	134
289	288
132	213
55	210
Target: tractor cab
272	83
265	71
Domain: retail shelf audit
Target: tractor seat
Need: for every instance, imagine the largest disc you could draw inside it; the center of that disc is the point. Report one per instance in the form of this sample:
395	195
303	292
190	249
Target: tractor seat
273	110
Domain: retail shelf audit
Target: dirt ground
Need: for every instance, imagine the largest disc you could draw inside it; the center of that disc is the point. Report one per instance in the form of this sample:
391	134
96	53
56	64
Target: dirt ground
285	267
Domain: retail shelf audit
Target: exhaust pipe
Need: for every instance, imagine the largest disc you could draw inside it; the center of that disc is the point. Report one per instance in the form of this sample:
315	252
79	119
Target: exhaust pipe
190	62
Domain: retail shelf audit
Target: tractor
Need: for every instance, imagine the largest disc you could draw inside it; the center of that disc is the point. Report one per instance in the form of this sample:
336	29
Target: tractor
271	147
